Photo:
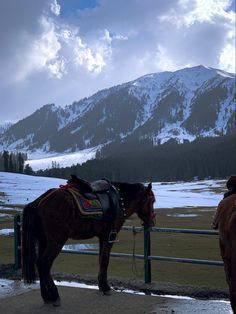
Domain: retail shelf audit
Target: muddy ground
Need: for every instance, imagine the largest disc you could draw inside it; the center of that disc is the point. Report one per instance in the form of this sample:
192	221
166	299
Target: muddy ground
160	288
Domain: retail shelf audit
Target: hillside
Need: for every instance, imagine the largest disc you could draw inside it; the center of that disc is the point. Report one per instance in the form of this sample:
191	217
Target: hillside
184	105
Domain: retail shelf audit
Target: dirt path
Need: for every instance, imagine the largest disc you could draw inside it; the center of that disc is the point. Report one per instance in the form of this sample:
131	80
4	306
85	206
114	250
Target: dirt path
87	301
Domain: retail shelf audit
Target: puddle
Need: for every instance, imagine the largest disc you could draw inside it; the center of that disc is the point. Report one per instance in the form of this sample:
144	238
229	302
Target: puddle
183	215
6	232
12	287
5	215
81	247
74	284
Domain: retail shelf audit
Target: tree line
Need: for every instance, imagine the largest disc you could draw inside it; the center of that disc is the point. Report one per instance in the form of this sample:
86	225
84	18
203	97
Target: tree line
138	161
135	161
12	162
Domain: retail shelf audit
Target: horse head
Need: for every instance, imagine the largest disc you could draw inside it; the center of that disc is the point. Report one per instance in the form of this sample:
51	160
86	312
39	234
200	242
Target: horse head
145	209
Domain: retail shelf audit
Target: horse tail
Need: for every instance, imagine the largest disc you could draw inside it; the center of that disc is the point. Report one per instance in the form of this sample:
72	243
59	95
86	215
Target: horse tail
29	243
31	234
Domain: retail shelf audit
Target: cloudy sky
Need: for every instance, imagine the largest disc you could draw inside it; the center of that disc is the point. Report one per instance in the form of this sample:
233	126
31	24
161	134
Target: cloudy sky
59	51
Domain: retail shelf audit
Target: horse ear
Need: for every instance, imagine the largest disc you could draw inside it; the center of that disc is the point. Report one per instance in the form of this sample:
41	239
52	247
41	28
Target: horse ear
149	187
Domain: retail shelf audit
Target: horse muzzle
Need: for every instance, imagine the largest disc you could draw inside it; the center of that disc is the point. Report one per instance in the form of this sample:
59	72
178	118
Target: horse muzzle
151	221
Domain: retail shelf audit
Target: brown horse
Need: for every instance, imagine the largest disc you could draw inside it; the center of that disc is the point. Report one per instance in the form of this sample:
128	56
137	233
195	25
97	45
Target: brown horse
53	218
225	221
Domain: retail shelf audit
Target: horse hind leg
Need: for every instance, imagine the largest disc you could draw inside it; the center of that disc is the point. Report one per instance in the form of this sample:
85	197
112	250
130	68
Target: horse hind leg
49	291
41	248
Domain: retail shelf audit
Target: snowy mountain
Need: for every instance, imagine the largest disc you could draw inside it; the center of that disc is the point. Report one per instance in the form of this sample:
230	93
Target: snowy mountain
4	127
185	104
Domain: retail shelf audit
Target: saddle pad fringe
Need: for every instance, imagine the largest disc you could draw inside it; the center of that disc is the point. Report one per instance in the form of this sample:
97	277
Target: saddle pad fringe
88	208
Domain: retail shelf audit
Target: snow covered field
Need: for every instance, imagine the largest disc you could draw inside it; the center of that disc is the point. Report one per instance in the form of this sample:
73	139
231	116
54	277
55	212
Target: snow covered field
21	189
38	160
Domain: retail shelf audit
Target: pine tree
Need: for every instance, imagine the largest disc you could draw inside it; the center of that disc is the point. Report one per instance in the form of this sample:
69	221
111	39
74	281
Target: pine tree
11	168
20	163
28	170
6	160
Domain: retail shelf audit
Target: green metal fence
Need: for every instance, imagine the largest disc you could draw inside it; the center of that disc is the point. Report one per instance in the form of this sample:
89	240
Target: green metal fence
146	256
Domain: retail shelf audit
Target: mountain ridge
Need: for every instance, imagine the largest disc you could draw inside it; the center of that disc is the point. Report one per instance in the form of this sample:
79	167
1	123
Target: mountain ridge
184	104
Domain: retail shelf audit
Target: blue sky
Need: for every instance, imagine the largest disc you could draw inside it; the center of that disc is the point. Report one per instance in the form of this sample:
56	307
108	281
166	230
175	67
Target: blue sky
71	6
59	51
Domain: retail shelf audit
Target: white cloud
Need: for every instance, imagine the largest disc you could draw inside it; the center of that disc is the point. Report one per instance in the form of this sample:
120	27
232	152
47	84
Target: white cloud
55	7
92	58
84	56
163	61
58	68
41	53
112	43
227	58
198	11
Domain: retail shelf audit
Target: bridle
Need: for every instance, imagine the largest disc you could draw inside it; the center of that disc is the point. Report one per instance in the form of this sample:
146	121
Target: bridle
144	203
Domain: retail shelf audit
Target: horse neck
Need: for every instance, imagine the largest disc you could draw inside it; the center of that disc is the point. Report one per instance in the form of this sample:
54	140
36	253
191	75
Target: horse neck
128	193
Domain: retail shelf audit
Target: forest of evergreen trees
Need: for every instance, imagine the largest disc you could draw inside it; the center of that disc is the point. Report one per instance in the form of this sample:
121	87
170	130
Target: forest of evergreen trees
134	161
12	162
138	161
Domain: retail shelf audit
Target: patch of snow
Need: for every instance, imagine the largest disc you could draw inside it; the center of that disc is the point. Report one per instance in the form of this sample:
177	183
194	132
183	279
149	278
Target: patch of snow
187	194
76	130
22	189
5	126
225	74
6	232
174	130
64	160
226	109
147	89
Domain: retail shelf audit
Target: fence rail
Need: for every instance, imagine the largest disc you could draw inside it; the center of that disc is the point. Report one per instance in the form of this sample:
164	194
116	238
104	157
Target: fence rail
146	256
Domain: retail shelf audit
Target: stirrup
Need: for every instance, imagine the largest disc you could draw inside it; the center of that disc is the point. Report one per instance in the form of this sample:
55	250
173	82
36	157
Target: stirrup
112	237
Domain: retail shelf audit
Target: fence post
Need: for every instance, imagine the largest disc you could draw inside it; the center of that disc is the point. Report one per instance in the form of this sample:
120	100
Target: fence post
147	253
17	241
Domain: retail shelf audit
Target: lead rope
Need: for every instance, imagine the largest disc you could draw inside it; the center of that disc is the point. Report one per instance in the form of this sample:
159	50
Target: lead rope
134	266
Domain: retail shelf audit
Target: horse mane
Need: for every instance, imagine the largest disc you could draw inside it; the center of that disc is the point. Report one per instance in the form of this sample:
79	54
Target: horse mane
129	189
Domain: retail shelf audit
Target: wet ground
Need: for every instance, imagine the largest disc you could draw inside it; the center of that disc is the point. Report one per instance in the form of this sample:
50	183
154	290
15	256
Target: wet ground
86	299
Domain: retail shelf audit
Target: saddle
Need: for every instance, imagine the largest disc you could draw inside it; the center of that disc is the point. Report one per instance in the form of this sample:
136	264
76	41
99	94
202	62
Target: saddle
99	199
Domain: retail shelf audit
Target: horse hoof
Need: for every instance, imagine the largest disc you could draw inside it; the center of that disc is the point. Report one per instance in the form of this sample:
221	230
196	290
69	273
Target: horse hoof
53	303
57	303
108	292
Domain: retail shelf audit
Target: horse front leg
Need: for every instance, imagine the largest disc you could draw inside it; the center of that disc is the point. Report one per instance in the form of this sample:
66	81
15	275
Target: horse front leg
104	256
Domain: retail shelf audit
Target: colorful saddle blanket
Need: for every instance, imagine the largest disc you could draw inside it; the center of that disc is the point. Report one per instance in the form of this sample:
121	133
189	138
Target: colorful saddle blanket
101	202
89	208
